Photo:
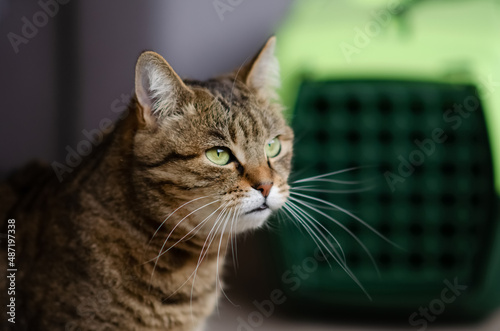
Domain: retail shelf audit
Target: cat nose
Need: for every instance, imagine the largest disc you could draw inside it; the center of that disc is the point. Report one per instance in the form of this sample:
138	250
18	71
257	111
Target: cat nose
264	188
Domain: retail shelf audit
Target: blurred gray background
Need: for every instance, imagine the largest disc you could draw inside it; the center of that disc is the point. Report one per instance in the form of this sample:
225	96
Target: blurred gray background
78	67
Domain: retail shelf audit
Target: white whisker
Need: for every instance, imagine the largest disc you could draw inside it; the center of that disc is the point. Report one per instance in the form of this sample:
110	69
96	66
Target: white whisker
326	180
193	273
343	266
185	237
309	217
323	207
234	244
311	233
210	238
157	258
329	174
178	223
217	279
207	196
344	228
351	215
332	191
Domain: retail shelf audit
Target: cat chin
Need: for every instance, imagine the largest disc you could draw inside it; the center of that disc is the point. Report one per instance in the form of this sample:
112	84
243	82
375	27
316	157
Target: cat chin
252	221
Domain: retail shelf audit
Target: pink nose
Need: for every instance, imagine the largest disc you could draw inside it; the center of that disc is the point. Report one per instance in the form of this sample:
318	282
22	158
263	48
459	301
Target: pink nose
264	188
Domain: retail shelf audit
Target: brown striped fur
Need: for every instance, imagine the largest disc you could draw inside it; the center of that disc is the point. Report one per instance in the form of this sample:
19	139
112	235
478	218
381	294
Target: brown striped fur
86	247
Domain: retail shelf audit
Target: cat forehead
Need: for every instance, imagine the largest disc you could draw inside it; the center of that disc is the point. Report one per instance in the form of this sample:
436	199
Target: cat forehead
226	90
232	112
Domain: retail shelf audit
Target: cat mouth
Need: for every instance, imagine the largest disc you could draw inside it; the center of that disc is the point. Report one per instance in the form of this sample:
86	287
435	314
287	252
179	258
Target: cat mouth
262	207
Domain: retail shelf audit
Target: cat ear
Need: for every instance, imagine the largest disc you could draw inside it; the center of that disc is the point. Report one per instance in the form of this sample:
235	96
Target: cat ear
263	73
157	87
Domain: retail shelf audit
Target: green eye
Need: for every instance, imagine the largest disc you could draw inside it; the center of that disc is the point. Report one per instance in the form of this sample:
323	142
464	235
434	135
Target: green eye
273	148
218	155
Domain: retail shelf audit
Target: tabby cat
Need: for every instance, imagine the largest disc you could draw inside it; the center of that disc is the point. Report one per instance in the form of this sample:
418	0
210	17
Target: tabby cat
134	238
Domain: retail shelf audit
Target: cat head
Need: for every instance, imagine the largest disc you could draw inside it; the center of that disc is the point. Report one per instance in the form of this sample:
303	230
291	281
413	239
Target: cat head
215	152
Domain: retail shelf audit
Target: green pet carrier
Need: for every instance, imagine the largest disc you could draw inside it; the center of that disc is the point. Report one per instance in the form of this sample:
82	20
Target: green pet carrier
407	96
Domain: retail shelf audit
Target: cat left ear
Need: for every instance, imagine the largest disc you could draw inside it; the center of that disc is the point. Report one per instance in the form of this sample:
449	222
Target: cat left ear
263	73
158	87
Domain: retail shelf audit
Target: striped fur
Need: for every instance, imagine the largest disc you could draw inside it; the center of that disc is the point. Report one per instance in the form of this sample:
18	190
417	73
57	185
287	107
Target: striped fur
87	248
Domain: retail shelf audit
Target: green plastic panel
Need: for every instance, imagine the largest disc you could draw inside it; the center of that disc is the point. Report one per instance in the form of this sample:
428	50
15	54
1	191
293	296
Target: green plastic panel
442	213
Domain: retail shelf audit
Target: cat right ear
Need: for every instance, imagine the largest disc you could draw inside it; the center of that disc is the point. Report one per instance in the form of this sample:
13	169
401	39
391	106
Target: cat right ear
158	88
262	73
